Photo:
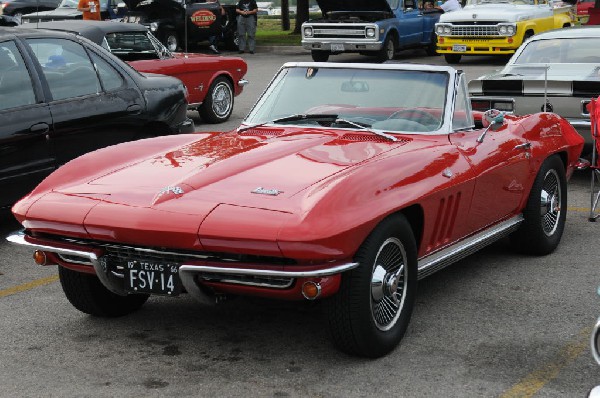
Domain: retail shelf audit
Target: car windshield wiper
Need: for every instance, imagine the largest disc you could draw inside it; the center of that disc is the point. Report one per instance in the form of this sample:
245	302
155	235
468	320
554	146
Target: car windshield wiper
360	126
292	118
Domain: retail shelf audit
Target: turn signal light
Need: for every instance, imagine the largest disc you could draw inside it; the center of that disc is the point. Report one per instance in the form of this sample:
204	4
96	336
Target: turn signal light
311	290
39	257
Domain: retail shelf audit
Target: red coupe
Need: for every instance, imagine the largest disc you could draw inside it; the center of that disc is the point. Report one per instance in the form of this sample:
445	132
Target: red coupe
346	183
212	81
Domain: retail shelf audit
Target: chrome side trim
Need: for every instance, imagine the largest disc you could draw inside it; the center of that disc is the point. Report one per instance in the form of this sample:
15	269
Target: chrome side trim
443	258
243	82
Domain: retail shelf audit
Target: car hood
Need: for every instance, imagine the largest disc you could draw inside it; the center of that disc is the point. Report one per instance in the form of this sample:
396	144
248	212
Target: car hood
253	168
353	5
495	12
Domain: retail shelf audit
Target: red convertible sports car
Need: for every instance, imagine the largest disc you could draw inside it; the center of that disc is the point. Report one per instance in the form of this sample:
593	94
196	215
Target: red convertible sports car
346	183
212	81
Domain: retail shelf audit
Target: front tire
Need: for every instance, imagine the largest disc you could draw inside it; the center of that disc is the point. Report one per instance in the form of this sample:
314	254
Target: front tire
370	313
87	294
218	104
388	51
545	212
319	56
452	59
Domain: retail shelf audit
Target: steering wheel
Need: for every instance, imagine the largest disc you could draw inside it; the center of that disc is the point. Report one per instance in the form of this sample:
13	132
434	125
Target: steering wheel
416	115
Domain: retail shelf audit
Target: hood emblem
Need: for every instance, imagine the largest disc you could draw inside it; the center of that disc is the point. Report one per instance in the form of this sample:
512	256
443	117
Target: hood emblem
474	16
447	173
175	190
265	191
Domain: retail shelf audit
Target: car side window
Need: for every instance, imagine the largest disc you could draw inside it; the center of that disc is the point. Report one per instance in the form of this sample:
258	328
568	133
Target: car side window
110	78
463	117
15	83
66	67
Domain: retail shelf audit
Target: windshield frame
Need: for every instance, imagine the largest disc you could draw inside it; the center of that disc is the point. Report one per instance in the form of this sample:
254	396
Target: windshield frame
449	100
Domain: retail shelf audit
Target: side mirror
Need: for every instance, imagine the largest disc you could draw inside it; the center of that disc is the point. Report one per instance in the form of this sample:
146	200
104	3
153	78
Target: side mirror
492	118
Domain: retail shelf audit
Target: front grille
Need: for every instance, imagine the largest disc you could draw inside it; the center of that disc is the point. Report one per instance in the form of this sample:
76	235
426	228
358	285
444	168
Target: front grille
339	31
475	30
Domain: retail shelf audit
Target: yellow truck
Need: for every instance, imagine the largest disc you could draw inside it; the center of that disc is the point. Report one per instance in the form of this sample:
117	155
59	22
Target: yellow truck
497	27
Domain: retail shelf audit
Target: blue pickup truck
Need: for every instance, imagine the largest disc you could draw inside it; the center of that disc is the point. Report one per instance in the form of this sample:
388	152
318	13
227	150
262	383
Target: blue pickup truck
369	27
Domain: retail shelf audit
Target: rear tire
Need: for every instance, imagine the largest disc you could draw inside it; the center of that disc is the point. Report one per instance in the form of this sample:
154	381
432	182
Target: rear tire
370	313
319	56
431	49
452	59
87	294
218	104
545	212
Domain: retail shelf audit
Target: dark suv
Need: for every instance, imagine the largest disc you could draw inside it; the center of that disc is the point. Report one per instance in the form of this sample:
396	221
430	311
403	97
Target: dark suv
184	23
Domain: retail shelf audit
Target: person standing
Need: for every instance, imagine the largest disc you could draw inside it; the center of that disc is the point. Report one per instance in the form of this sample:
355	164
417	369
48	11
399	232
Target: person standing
90	9
247	11
213	39
449	6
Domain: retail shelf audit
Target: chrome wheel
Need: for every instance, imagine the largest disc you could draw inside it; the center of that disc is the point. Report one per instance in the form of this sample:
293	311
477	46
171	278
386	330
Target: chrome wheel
550	203
222	100
388	284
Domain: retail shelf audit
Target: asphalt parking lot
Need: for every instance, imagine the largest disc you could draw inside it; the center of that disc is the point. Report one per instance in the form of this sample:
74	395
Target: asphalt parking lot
496	324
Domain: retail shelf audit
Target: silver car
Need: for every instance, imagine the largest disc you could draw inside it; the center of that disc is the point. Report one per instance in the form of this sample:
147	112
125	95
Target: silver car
556	71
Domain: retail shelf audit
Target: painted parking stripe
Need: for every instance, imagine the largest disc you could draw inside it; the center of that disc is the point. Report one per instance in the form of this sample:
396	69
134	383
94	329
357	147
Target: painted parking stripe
536	380
28	286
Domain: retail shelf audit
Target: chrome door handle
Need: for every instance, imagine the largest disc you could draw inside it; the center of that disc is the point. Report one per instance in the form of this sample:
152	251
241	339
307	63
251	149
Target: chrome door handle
524	146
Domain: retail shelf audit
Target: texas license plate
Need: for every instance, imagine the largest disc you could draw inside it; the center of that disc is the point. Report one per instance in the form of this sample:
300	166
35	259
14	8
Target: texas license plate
337	47
460	48
152	277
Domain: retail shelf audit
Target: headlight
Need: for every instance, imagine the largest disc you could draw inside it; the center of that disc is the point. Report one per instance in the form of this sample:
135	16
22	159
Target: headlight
308	31
154	26
502	30
447	30
370	32
510	30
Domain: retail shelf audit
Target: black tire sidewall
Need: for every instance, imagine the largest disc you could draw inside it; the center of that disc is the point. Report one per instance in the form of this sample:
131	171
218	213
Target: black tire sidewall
352	325
530	237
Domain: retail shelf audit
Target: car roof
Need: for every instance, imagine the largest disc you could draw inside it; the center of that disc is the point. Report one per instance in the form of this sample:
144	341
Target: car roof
9	32
569	33
92	30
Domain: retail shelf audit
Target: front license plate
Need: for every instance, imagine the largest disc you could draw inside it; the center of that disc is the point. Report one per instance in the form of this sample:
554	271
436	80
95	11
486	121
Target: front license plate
337	47
151	277
460	48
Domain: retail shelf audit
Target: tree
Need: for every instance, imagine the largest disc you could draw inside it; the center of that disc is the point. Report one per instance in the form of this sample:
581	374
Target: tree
285	15
301	14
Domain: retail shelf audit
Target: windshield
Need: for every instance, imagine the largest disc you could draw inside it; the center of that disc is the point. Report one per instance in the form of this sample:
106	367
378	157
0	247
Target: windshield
582	50
390	100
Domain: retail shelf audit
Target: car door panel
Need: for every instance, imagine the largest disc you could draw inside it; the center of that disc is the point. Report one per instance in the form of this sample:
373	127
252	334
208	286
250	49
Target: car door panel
25	156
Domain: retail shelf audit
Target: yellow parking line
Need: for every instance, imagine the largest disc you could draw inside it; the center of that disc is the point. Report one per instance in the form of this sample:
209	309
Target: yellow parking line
28	285
581	209
537	379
